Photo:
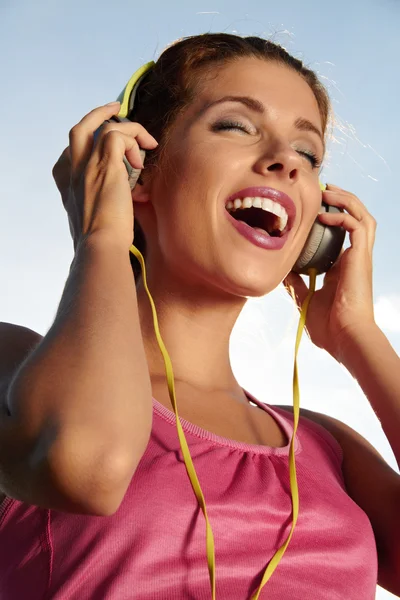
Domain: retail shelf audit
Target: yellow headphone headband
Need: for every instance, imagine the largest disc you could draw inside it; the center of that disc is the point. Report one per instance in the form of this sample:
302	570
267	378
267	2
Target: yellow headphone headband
127	100
127	96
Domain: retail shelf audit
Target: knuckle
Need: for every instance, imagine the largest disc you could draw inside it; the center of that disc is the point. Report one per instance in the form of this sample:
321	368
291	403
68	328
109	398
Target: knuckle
74	132
55	172
56	168
112	137
107	126
111	133
369	218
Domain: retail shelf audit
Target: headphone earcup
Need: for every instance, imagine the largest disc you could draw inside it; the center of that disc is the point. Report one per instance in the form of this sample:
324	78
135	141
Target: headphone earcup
322	247
134	174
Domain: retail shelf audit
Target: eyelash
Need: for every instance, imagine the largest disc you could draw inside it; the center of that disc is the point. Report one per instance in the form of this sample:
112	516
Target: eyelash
227	125
311	157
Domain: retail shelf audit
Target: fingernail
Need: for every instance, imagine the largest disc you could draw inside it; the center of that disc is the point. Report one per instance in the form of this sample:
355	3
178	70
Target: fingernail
113	103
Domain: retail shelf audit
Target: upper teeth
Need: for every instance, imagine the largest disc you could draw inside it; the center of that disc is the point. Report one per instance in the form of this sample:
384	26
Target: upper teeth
265	203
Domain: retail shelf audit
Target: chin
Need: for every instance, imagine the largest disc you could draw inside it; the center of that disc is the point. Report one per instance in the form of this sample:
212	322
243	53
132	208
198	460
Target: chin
254	285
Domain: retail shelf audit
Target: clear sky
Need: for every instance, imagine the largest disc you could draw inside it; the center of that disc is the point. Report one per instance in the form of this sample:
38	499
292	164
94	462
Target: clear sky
61	59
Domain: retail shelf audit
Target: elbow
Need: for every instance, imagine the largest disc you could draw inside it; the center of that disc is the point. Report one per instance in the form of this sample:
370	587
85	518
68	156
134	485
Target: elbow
106	490
97	490
87	481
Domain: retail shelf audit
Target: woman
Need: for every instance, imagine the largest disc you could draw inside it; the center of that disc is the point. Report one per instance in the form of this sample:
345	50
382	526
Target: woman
97	502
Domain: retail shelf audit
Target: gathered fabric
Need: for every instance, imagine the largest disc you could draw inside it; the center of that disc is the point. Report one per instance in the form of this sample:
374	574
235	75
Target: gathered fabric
154	546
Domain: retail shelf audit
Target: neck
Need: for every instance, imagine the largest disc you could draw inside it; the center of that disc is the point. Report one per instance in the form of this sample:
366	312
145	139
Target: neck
195	327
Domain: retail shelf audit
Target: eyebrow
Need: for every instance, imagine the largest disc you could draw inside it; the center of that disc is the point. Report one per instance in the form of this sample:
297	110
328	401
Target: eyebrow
301	124
306	125
246	100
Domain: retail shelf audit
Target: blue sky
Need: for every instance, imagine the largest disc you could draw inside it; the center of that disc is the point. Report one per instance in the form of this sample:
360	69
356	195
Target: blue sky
61	59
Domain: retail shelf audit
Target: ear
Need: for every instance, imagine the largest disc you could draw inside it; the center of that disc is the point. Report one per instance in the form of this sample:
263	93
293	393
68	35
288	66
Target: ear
141	191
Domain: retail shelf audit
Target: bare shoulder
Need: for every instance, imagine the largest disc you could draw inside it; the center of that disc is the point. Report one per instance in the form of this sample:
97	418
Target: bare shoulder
334	426
372	483
355	447
16	342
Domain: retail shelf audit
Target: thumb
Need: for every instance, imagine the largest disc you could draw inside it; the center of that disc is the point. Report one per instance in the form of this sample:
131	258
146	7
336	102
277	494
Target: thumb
296	288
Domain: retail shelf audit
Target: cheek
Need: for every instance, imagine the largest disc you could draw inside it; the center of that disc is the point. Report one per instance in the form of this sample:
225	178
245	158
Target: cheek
189	177
309	214
183	167
179	196
312	203
312	213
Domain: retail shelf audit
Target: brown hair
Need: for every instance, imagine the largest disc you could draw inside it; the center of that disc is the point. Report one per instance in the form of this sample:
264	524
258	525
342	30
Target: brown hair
171	84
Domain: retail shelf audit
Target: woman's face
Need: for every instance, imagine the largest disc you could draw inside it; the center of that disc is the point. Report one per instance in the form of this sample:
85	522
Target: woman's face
253	124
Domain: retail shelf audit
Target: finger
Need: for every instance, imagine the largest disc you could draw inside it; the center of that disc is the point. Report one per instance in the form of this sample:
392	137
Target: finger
355	207
143	137
336	188
113	147
331	276
296	288
348	201
81	135
358	230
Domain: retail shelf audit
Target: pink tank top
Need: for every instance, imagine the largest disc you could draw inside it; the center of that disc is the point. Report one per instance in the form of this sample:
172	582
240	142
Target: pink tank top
154	546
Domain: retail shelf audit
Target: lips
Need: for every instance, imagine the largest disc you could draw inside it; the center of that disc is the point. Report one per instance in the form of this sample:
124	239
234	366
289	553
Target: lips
275	195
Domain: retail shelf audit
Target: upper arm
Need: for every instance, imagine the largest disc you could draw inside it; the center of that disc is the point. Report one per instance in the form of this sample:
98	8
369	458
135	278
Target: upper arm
16	343
375	487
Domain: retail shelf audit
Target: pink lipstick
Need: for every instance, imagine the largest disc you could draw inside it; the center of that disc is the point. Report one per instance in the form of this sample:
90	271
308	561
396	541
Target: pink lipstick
258	237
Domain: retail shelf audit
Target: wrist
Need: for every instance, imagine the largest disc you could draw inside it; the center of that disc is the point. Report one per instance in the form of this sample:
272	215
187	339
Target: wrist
355	339
102	242
100	246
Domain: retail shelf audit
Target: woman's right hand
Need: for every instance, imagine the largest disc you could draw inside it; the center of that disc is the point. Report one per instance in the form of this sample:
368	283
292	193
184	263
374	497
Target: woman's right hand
93	180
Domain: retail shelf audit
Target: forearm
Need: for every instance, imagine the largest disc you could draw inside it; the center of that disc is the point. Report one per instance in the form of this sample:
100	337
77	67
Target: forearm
370	358
84	393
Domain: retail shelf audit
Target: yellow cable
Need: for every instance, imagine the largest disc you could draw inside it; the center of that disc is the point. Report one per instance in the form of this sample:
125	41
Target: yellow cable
292	462
185	449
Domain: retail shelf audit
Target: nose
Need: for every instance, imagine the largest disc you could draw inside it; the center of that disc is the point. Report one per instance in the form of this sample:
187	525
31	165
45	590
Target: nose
280	159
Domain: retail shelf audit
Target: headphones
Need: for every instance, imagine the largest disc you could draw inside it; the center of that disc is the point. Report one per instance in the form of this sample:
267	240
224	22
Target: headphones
323	245
320	251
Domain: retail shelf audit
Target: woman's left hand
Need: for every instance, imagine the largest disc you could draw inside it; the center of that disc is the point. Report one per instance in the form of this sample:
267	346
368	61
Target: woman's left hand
343	307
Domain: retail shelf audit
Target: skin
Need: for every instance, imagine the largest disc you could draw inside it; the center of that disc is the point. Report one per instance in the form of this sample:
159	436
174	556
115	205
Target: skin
200	276
200	270
200	281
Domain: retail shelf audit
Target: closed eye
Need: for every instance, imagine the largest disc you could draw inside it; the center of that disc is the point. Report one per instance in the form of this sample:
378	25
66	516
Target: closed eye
229	125
311	157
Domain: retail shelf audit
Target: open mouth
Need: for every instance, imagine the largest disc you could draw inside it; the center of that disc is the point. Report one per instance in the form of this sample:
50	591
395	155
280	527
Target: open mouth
260	213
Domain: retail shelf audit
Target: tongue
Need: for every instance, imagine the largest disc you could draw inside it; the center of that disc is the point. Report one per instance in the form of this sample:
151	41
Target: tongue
261	230
256	228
